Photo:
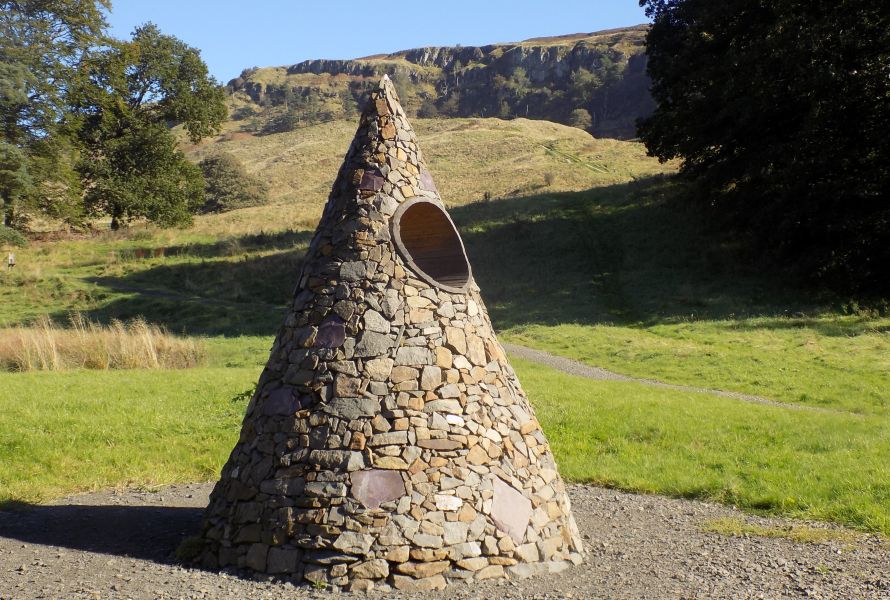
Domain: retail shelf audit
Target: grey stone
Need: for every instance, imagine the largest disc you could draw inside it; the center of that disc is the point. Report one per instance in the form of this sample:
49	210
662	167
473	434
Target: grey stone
449	391
256	557
282	560
371	569
389	438
328	557
374	321
378	368
456	532
325	489
371	343
354	271
347	367
526	570
289	487
430	378
337	459
414	356
352	408
425	540
353	542
445	406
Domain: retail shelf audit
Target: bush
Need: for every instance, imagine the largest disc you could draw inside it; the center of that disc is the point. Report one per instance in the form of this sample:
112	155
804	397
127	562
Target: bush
228	185
428	109
581	119
11	237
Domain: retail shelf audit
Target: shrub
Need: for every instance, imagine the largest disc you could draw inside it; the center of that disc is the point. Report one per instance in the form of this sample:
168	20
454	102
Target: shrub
11	237
228	185
581	119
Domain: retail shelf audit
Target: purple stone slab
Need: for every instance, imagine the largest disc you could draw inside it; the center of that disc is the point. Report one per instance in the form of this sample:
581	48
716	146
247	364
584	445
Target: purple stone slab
331	333
426	181
371	180
377	486
510	510
281	402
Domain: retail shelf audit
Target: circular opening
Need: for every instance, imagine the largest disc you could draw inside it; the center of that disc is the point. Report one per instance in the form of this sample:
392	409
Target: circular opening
429	243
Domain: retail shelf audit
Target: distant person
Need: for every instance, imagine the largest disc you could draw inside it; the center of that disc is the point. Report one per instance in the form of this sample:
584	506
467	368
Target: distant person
10	261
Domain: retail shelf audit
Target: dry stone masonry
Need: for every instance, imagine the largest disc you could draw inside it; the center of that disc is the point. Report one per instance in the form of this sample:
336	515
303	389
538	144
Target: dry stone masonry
388	439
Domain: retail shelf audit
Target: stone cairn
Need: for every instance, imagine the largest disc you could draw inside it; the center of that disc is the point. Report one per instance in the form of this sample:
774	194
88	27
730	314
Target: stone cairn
388	439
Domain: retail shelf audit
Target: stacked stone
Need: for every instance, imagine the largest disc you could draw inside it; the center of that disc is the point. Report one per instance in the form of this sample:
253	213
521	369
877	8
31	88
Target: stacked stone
388	439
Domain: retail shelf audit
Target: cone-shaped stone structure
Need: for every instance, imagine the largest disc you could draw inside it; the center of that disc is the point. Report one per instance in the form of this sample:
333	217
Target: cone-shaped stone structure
388	438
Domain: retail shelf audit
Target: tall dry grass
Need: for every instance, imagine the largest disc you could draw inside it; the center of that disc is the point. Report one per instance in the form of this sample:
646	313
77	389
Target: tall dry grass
47	346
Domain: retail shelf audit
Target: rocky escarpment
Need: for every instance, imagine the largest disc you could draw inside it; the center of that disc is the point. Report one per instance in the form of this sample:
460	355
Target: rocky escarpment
594	81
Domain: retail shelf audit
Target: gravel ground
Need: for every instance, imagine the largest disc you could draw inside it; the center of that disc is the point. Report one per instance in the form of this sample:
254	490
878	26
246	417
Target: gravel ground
119	544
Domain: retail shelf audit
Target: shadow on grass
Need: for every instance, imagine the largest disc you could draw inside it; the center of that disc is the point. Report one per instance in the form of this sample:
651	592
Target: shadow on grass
146	532
627	254
229	246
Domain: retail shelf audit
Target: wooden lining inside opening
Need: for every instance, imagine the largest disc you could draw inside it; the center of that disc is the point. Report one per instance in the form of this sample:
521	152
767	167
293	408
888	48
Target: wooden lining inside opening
432	244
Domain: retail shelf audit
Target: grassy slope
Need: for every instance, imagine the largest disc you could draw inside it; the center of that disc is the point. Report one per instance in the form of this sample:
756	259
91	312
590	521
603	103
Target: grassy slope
808	464
620	277
594	266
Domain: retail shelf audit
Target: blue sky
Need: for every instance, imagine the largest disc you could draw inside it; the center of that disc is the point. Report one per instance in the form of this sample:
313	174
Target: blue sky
234	35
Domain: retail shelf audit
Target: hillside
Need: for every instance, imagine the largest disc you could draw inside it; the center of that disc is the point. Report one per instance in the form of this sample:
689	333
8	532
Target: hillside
468	157
555	78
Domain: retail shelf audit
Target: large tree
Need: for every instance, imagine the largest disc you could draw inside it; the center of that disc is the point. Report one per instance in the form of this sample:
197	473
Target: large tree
780	112
42	45
122	107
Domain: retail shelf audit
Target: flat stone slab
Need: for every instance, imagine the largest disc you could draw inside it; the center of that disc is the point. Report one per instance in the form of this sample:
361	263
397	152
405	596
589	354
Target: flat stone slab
510	510
377	486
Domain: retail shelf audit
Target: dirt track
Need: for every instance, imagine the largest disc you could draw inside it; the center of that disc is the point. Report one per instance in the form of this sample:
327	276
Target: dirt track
119	545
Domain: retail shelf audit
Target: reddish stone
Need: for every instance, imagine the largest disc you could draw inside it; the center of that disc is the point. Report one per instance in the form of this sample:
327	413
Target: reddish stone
331	333
440	444
377	486
510	510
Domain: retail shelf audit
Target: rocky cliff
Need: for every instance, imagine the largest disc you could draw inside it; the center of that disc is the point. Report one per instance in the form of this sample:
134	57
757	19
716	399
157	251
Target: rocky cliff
595	81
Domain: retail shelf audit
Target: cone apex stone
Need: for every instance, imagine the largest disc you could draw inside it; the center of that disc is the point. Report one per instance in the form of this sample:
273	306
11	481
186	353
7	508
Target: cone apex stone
388	438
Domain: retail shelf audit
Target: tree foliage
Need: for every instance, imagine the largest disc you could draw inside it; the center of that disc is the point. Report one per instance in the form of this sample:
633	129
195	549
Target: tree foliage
85	119
42	44
121	110
581	119
228	185
780	112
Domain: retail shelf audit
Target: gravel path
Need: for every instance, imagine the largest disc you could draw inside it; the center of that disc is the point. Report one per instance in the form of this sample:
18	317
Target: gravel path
117	545
573	367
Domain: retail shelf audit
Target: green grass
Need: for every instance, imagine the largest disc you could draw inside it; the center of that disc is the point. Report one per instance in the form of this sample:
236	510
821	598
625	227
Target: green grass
826	361
831	467
82	430
69	432
622	277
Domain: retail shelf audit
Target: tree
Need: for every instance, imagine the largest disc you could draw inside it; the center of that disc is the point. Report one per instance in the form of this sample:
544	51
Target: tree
15	180
780	112
580	118
228	185
122	107
428	109
42	45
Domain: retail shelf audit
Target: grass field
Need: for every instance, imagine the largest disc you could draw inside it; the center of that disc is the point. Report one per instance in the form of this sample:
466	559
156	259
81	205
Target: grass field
601	265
